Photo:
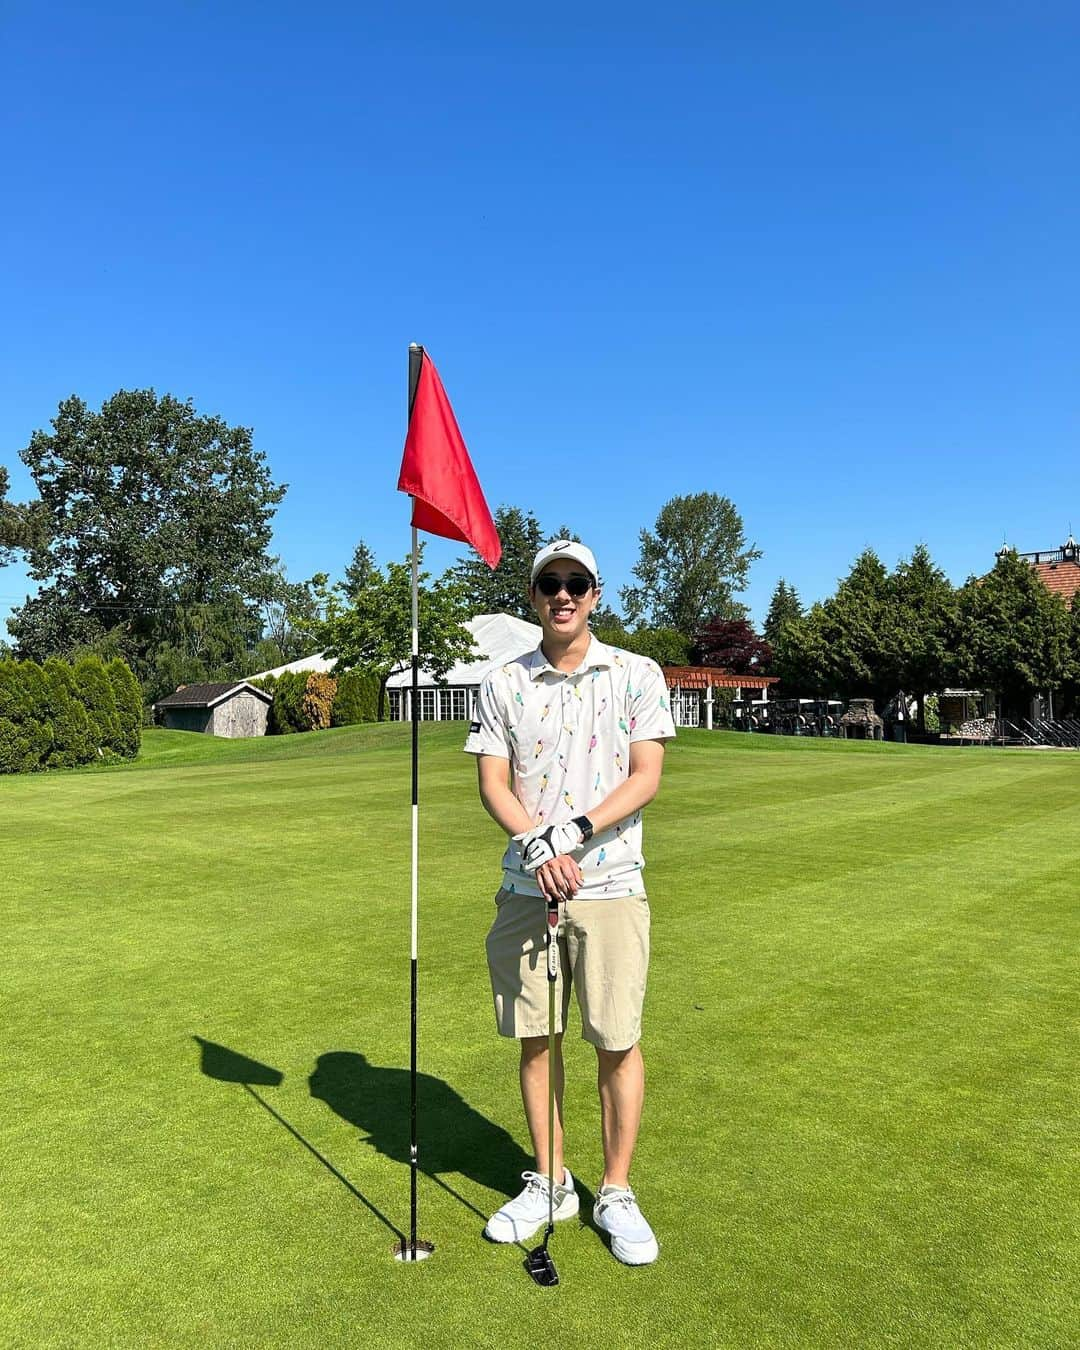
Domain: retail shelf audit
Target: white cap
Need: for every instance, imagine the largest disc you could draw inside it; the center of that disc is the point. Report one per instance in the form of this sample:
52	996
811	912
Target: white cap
565	548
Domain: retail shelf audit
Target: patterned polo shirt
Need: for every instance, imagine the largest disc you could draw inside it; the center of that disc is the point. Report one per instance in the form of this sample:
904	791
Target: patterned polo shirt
567	737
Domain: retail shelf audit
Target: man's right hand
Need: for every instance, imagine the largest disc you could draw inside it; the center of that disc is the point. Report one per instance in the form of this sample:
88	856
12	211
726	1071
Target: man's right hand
560	878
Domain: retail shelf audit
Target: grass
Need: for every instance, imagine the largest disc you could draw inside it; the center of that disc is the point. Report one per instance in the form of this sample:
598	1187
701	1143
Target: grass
861	1041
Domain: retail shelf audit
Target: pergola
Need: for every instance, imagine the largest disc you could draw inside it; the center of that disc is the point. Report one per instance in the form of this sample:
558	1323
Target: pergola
702	680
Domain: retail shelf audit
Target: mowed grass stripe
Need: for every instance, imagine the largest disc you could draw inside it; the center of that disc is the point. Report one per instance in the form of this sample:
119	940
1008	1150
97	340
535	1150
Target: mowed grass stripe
860	1040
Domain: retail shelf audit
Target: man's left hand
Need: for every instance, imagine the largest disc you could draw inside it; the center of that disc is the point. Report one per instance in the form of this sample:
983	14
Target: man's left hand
548	842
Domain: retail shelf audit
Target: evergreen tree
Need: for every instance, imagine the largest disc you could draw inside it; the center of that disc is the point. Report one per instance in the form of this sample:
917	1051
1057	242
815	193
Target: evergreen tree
503	589
922	602
360	570
94	690
129	707
71	727
784	607
1012	634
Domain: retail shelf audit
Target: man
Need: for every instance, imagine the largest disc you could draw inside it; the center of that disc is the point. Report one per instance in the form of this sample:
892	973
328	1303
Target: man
569	740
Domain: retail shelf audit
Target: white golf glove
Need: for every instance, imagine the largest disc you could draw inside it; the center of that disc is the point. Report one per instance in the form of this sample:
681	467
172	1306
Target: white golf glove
547	842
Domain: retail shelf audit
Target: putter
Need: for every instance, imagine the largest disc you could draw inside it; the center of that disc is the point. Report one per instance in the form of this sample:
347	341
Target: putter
538	1262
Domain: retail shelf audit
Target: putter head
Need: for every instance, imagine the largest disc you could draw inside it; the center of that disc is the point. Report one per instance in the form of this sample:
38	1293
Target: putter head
541	1267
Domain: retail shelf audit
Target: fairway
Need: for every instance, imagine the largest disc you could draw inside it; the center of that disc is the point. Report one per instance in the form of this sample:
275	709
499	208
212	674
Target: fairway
860	1038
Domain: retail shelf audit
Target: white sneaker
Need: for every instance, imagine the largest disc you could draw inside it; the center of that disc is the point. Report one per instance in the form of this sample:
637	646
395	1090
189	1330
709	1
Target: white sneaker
616	1212
521	1217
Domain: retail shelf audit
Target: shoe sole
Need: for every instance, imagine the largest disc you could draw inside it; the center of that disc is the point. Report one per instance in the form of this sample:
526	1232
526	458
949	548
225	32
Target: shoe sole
636	1254
569	1207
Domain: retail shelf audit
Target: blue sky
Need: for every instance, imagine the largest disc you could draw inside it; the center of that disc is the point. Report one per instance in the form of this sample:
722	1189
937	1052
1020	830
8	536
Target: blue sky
820	259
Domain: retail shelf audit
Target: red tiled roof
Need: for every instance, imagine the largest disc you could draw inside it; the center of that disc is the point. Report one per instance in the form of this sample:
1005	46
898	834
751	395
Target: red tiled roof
1063	578
701	677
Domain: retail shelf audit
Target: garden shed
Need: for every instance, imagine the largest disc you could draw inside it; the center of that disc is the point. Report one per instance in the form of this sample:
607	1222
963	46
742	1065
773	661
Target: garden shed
234	709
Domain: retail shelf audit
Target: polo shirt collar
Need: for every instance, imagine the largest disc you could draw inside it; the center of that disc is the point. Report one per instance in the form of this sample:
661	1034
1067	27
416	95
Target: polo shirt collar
597	657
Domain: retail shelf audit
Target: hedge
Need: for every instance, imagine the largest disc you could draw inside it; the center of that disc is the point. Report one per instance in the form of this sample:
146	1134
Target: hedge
357	698
60	715
310	701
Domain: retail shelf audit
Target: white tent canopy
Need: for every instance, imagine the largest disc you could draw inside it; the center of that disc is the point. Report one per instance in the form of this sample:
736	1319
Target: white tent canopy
498	637
317	664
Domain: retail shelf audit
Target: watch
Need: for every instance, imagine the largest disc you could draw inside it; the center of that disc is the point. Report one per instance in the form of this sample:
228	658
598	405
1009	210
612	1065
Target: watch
584	824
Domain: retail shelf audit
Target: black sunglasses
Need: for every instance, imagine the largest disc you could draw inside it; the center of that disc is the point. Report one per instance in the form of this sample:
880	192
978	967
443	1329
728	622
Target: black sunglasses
575	586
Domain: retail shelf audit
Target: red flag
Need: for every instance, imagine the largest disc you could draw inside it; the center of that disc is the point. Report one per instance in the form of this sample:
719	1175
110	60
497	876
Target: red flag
437	473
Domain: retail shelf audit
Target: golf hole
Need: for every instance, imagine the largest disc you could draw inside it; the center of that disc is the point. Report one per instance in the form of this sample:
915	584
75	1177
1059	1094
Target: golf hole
403	1251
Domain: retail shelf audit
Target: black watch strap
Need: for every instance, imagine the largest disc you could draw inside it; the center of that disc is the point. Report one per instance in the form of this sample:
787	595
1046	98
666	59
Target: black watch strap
584	824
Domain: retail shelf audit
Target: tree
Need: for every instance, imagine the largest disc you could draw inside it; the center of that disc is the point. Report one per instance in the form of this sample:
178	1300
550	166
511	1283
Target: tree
858	636
692	565
503	589
373	629
800	657
845	645
733	645
289	610
8	527
360	570
16	522
784	607
1013	635
1071	687
147	510
922	601
665	646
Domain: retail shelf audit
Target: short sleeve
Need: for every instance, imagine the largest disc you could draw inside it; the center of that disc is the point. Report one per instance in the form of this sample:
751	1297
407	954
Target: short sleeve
650	705
487	731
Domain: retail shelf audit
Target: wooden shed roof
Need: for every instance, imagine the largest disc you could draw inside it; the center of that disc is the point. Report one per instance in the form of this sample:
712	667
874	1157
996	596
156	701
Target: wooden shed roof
208	695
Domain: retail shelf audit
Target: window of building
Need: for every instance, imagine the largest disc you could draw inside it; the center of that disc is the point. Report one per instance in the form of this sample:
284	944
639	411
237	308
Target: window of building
688	709
395	705
427	705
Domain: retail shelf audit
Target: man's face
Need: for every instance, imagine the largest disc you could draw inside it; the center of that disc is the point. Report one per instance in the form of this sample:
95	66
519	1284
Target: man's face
564	615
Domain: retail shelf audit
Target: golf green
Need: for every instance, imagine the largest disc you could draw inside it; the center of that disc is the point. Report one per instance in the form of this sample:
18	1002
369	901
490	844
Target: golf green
861	1042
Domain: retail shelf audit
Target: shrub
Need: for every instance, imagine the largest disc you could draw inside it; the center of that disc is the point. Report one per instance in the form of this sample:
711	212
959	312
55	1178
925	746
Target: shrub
71	728
357	698
94	690
57	717
129	707
318	701
287	712
18	753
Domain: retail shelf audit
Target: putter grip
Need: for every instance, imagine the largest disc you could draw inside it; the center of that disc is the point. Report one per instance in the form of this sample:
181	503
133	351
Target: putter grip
553	942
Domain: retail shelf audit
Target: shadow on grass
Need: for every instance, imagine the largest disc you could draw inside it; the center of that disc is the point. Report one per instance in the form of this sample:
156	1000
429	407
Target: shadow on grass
229	1066
453	1137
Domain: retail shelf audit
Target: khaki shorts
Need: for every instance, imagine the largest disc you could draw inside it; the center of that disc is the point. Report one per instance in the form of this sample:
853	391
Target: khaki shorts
604	954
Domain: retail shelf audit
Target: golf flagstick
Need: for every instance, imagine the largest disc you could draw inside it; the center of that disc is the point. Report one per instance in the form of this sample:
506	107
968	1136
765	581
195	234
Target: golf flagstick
447	500
415	1249
538	1262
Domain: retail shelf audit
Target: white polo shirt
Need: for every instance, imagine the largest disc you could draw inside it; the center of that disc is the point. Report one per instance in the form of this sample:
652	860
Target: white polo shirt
567	737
